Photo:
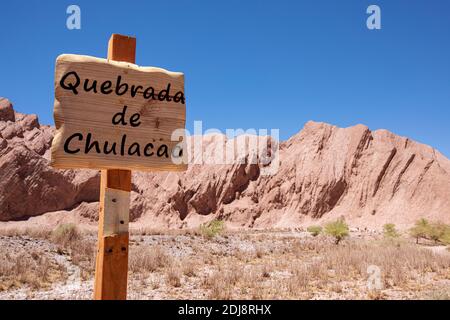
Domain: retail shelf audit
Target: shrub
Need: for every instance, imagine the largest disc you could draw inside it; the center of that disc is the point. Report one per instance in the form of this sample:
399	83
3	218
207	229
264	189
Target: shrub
314	230
149	259
174	277
437	231
212	228
337	229
446	237
188	268
390	231
66	233
420	229
29	265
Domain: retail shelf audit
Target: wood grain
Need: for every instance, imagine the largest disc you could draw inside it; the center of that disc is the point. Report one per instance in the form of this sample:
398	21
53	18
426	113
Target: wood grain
90	112
111	268
117	209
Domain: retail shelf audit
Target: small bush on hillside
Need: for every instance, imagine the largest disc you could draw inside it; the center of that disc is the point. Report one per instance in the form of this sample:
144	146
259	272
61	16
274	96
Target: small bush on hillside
314	230
390	231
337	229
437	231
212	228
420	229
446	237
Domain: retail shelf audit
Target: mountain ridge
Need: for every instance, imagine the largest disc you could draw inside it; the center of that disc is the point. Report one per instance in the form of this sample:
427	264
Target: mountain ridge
368	177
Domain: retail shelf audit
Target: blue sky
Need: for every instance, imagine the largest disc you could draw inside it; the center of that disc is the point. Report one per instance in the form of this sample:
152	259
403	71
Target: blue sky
255	64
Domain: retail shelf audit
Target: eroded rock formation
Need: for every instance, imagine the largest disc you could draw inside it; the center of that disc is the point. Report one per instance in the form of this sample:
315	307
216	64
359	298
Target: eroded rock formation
369	177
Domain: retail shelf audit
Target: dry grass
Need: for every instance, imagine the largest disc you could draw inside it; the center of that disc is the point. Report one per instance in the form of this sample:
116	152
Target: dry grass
145	231
249	266
174	276
65	234
219	286
78	245
83	255
300	267
148	259
399	263
36	233
28	267
376	295
439	294
188	268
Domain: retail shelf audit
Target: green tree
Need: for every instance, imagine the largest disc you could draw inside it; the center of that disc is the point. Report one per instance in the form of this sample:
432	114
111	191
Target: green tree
436	231
314	230
420	229
390	231
445	239
337	229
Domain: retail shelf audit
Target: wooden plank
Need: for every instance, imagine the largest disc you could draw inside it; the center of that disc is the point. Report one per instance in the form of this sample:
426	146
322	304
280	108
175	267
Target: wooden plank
117	179
117	205
122	48
111	269
107	131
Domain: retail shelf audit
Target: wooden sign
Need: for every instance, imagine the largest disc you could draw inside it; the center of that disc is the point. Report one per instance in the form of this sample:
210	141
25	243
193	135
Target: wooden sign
117	115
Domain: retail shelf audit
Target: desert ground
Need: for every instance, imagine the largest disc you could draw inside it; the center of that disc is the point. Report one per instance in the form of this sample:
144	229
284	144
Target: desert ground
241	264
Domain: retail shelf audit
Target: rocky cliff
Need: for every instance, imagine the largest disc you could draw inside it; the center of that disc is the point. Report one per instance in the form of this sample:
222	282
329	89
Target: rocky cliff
369	177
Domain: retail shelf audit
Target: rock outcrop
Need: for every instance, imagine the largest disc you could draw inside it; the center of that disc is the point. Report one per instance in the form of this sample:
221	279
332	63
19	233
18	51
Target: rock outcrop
28	185
369	177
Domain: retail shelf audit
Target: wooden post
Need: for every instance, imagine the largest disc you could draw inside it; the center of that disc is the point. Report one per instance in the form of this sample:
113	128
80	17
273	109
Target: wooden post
111	268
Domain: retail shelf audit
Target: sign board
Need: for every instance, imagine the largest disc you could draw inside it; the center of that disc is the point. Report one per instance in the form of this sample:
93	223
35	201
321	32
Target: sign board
117	115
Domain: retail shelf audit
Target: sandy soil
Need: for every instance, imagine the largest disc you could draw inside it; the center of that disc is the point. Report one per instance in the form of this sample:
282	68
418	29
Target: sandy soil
233	265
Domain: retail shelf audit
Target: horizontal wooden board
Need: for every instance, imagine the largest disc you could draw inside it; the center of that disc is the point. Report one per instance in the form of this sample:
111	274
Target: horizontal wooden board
117	115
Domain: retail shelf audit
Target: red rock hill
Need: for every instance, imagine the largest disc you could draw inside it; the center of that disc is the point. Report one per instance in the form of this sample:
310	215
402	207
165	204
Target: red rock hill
369	177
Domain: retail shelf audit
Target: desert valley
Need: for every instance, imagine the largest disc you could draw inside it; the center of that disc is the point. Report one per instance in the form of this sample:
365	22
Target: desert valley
226	231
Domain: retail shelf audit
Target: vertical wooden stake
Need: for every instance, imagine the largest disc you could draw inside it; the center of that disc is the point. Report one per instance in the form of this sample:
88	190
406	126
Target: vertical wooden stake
111	268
